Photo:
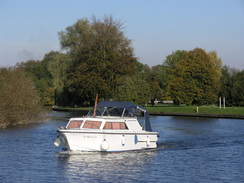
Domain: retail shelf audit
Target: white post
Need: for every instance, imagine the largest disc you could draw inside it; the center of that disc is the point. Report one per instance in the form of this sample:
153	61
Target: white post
224	102
220	102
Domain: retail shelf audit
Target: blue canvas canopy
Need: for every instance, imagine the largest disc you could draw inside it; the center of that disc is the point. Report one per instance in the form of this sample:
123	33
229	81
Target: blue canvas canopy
130	107
116	104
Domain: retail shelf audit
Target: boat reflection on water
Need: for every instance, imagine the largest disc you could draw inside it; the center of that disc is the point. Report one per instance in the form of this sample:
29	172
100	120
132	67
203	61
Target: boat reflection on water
103	167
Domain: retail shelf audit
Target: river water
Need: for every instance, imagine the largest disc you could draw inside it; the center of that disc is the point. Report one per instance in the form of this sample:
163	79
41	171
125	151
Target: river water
189	150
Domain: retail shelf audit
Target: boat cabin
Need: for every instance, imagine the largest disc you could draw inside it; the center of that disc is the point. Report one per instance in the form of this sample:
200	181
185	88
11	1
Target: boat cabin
112	116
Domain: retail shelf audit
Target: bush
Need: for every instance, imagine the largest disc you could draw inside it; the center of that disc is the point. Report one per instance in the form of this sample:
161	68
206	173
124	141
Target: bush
19	100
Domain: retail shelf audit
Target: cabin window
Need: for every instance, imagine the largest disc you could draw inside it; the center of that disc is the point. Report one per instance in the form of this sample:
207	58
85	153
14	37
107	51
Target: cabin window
92	124
75	124
115	126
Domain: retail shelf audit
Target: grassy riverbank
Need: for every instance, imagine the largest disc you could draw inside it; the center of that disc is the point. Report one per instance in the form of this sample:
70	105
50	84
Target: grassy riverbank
182	109
201	110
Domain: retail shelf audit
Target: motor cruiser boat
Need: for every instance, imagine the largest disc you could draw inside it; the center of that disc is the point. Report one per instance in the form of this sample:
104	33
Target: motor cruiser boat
110	126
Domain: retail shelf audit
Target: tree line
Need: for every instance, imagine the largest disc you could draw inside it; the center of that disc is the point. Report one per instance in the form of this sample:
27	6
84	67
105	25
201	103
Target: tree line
97	58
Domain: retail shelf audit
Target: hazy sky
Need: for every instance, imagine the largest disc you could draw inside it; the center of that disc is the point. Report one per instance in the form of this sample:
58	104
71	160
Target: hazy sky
28	28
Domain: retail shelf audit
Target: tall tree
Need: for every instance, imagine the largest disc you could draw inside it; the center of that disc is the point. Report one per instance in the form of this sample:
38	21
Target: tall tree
168	70
100	54
195	79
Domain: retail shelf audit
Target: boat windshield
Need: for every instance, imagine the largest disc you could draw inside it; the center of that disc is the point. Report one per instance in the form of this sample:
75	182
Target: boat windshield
112	111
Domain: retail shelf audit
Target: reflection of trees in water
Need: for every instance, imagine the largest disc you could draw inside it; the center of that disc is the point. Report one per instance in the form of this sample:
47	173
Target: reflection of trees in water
105	166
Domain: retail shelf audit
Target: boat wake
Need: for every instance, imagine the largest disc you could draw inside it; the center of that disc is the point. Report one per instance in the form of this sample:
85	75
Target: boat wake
171	146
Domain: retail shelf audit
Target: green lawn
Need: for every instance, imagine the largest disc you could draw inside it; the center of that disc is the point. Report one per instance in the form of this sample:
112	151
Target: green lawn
185	109
201	109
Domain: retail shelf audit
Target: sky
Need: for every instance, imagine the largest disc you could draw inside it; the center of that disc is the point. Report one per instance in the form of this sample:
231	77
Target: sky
29	29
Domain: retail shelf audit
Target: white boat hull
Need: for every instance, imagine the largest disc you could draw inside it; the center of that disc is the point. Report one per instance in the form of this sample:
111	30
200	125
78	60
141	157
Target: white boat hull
78	140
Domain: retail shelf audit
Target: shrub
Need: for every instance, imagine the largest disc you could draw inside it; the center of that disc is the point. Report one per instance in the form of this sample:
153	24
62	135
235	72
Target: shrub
19	100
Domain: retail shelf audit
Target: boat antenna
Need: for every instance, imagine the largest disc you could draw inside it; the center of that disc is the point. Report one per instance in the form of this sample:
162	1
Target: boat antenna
95	106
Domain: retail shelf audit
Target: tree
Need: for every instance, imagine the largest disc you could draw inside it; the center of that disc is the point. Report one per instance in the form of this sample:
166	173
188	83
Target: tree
226	85
232	86
216	61
195	79
153	78
172	59
100	55
19	100
38	71
59	67
168	70
133	88
238	88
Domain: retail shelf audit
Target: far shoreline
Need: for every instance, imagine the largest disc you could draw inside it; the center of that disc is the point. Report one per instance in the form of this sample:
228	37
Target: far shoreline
180	114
